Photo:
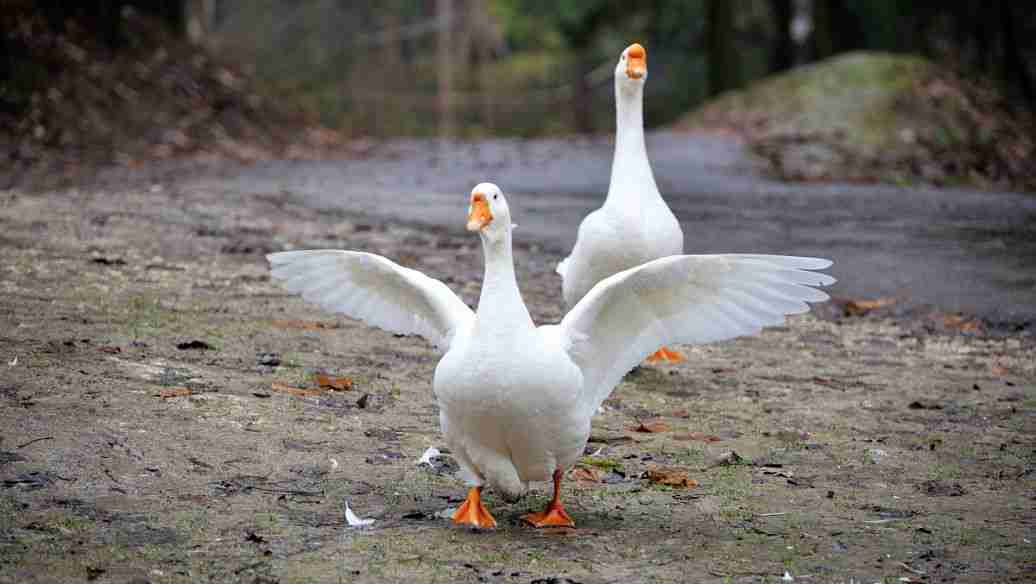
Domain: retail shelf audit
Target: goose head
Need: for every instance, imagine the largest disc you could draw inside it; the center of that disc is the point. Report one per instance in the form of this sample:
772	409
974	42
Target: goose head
488	213
631	71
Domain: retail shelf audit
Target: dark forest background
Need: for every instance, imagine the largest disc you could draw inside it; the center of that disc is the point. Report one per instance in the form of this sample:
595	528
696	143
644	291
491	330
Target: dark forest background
525	67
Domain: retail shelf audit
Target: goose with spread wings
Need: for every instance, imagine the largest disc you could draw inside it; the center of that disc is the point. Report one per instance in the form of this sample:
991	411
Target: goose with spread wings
516	399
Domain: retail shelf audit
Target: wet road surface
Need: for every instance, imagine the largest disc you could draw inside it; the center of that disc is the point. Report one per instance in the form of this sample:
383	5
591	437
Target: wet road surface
953	249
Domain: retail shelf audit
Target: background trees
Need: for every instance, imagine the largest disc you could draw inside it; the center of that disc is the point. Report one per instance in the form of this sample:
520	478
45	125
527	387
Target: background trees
533	66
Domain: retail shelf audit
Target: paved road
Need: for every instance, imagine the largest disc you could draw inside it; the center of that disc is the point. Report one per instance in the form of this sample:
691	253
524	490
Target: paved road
955	249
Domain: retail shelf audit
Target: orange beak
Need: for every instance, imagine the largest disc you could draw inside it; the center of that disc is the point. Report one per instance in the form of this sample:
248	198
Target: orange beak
479	215
636	61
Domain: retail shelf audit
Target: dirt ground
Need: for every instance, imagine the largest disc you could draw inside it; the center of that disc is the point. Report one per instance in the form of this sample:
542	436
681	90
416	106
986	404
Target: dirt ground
160	421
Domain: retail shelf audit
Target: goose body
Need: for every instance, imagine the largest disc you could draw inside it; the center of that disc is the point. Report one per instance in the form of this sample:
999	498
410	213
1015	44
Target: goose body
634	226
516	399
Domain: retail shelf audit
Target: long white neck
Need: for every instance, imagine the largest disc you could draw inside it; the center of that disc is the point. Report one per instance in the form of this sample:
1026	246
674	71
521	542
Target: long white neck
631	179
501	309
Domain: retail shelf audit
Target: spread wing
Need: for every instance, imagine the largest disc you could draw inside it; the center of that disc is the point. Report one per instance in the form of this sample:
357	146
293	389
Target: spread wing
682	299
373	289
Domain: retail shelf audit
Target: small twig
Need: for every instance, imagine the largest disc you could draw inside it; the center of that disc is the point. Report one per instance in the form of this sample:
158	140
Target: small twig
111	476
772	514
35	441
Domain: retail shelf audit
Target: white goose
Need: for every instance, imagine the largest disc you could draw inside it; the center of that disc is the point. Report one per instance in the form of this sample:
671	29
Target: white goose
635	225
515	400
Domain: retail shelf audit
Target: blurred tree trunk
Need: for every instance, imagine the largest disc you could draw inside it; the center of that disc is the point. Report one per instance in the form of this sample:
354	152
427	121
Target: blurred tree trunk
721	53
480	22
823	33
582	97
782	56
836	29
444	60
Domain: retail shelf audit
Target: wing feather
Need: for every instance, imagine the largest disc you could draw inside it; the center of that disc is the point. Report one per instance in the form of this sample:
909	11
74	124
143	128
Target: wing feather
375	290
683	299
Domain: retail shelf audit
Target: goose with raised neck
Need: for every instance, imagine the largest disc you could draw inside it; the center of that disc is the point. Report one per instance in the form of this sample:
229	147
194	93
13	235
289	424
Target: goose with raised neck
634	225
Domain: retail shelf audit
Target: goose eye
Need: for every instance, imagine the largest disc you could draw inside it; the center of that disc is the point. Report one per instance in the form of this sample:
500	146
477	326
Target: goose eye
495	197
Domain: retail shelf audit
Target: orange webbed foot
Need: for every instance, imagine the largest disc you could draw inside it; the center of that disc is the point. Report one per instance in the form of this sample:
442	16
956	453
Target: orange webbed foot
473	512
552	516
664	354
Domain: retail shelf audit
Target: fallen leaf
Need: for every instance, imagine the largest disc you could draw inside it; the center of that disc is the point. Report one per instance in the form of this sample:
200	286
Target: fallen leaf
670	475
332	382
308	325
999	370
860	306
653	427
582	474
696	436
109	349
298	391
681	413
174	392
963	324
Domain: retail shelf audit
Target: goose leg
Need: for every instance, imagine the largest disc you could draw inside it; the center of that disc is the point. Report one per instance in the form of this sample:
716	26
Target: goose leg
554	515
664	354
473	512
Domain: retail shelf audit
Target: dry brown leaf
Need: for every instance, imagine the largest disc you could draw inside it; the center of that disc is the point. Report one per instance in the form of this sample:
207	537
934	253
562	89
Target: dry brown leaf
861	306
673	476
681	413
963	323
653	427
582	474
112	349
998	369
308	325
332	382
298	391
174	392
697	436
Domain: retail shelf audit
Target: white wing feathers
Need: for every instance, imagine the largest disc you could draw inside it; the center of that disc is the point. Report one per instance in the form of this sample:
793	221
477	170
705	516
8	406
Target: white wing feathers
682	299
373	289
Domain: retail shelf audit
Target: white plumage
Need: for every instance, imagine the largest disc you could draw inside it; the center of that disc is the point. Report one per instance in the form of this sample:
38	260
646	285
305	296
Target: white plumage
515	399
634	226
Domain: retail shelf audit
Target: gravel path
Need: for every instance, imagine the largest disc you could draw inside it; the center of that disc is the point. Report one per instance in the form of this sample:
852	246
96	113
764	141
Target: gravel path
957	250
